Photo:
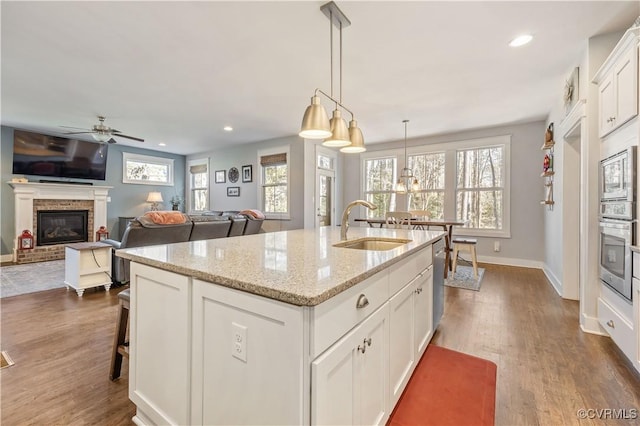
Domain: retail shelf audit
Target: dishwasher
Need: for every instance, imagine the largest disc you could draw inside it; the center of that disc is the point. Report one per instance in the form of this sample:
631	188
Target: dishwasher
439	256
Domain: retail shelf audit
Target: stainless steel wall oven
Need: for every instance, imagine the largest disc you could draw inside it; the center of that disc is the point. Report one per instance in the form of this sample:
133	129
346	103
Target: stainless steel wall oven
617	220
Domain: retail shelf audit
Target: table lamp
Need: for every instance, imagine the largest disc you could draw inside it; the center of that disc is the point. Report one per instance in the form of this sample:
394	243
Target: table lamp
154	198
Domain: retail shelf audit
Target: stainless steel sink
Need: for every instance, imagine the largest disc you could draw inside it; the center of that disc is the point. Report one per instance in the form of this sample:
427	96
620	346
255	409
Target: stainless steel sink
373	243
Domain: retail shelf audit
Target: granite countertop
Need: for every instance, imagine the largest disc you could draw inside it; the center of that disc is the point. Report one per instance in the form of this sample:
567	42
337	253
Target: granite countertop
635	248
300	267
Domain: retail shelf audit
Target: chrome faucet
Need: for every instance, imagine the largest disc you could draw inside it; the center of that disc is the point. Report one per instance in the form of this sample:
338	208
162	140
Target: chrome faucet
344	227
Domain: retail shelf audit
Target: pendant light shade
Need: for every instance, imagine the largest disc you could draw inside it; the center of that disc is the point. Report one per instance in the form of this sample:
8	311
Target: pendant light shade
315	123
339	132
407	181
401	187
357	140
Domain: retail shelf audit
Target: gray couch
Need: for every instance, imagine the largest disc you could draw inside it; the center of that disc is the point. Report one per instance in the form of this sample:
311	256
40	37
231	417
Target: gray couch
142	231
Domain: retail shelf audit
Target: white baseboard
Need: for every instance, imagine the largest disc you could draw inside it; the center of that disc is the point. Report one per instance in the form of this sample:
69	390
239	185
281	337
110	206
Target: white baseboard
6	258
555	282
591	325
509	261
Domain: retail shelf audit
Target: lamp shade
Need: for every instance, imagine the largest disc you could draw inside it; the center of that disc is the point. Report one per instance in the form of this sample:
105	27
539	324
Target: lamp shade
315	122
357	140
339	132
154	197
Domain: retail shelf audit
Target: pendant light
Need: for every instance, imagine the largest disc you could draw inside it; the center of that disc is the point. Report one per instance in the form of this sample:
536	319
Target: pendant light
315	122
407	181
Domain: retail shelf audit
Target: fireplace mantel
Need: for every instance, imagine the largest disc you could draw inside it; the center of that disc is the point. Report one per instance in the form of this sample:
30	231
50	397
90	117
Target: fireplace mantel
26	192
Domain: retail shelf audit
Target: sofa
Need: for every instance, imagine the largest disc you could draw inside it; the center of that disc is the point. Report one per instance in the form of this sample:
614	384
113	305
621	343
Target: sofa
154	228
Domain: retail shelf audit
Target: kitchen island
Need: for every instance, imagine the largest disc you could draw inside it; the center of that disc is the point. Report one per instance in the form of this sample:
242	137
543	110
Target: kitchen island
278	328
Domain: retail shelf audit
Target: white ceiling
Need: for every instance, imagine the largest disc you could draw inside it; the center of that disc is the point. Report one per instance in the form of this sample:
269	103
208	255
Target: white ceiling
177	72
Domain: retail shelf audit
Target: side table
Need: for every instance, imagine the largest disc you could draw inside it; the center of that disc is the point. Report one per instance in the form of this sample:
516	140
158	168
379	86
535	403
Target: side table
87	265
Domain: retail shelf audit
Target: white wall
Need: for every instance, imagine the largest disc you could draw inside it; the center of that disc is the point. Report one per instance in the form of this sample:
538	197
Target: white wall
526	245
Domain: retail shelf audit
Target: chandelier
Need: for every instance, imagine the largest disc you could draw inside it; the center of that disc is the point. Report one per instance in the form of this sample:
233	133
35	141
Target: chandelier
407	181
315	122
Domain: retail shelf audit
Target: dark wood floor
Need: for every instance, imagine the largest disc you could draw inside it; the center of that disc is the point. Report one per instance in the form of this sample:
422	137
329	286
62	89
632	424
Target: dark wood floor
547	367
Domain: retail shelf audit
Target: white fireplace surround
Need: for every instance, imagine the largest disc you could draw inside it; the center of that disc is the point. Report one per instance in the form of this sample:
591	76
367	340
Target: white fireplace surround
26	192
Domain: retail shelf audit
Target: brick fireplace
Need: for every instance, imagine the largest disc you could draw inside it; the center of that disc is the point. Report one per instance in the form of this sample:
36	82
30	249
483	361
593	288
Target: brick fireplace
32	197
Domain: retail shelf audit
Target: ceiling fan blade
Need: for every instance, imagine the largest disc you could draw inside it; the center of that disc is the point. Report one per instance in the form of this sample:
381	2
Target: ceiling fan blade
120	135
112	140
77	133
71	127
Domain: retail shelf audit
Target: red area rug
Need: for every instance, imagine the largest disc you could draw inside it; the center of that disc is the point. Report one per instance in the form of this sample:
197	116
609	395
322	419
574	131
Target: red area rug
448	388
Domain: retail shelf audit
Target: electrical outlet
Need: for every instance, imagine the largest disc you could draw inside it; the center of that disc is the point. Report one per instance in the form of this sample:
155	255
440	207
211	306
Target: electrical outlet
239	341
496	246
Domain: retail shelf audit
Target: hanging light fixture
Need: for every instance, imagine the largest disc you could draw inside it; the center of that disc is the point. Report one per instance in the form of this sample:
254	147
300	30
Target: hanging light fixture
315	122
407	181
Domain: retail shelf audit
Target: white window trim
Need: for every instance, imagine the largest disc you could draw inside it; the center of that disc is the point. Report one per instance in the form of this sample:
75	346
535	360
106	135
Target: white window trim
450	149
197	162
271	151
128	156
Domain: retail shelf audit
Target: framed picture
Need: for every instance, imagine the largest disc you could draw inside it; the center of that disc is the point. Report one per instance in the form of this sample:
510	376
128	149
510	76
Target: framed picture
247	173
221	176
233	191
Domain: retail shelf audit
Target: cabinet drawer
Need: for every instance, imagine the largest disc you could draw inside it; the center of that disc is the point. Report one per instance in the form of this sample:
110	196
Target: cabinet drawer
620	330
332	319
407	269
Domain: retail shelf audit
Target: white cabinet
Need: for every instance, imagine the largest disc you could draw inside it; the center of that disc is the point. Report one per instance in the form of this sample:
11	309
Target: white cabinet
423	301
252	345
411	329
203	353
87	265
617	82
160	346
350	380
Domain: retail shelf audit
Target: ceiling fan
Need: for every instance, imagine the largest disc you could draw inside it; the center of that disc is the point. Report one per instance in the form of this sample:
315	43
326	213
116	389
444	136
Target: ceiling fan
102	133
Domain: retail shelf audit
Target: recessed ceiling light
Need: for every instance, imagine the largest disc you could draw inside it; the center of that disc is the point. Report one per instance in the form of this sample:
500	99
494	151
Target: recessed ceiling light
521	40
227	128
162	144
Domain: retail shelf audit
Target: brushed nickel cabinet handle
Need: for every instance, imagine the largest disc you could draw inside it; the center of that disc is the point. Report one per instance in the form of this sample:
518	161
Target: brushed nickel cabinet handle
611	324
368	341
362	302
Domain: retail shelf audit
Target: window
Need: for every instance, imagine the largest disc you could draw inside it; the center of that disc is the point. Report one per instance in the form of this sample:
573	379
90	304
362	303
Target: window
146	170
480	187
379	178
275	184
463	180
429	170
199	185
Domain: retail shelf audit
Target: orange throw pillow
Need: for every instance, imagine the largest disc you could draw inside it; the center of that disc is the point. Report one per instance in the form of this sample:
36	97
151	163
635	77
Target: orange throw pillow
166	218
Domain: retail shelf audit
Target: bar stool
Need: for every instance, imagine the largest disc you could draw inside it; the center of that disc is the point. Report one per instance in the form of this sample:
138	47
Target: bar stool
120	345
465	244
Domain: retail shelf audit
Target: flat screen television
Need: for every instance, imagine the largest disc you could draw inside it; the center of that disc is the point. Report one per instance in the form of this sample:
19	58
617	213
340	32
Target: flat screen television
53	156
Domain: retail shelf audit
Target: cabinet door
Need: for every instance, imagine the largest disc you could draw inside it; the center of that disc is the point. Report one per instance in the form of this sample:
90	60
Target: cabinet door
423	311
607	109
350	380
373	382
626	87
401	339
